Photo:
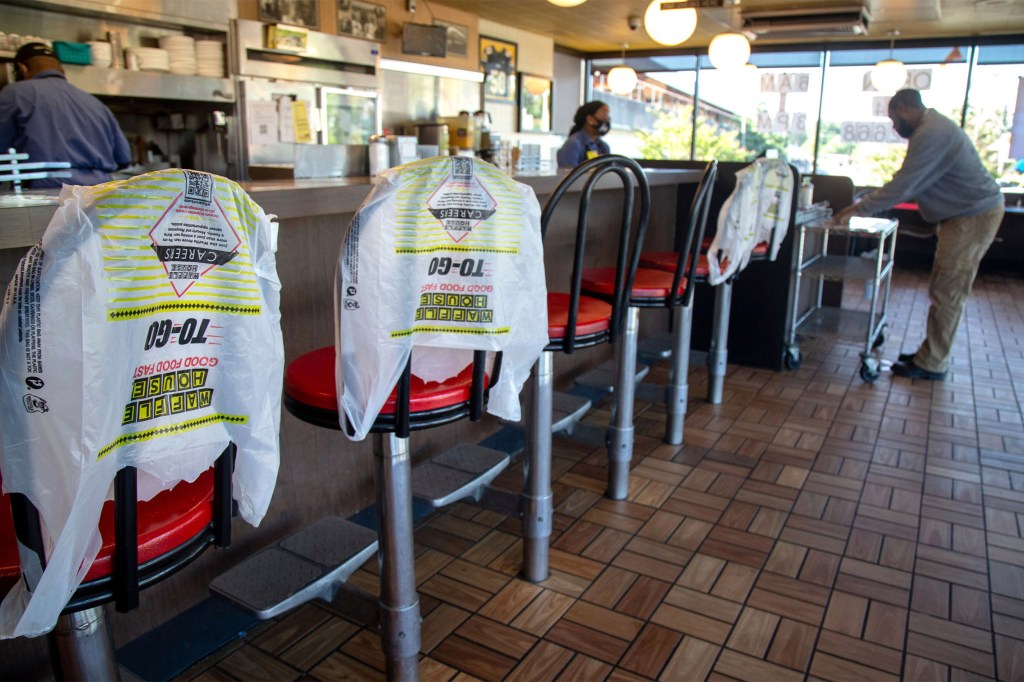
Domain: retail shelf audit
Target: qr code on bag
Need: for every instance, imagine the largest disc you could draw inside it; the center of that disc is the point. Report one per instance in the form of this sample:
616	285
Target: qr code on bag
198	187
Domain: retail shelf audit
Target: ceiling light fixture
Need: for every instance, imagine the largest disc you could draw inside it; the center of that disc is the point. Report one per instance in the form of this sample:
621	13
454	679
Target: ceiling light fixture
567	3
729	51
890	74
622	79
669	25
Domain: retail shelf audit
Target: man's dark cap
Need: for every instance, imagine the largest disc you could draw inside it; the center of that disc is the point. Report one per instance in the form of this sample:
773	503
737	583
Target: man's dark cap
30	50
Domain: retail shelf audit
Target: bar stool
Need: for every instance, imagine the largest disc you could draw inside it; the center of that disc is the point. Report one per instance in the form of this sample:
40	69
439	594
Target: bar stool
160	425
311	395
576	320
761	250
336	386
671	289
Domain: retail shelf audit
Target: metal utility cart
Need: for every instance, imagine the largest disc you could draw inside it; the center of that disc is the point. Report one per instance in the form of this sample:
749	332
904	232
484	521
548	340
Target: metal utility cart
876	272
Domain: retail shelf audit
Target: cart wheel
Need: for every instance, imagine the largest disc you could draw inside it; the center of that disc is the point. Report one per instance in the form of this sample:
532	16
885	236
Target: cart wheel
869	370
792	358
880	339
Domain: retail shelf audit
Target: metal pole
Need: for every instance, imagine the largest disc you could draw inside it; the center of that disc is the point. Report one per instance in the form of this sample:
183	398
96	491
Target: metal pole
678	389
719	352
537	498
399	603
620	433
81	647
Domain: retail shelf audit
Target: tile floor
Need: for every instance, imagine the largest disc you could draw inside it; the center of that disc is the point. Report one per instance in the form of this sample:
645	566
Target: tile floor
813	527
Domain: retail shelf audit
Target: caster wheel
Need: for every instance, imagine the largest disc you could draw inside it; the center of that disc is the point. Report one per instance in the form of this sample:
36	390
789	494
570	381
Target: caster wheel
880	339
869	371
792	358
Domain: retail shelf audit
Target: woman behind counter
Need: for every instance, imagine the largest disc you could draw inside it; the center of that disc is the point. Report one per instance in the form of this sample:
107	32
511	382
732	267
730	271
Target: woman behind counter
591	122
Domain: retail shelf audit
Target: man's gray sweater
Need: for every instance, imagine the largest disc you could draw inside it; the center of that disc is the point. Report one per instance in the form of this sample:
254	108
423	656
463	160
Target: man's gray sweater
942	172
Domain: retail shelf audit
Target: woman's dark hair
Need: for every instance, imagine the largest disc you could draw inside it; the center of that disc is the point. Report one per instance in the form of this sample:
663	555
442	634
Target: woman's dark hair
588	109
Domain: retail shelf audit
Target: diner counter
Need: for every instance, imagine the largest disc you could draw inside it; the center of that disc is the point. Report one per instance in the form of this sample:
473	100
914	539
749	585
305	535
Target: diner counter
24	221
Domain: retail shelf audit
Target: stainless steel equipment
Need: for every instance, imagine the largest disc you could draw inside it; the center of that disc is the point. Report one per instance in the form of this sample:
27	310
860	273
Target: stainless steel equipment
326	94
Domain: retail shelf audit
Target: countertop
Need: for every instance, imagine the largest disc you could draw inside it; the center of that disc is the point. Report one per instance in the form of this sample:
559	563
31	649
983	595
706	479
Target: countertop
24	221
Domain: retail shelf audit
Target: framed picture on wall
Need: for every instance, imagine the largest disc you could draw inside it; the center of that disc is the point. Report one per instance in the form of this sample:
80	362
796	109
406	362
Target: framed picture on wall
457	42
534	104
498	60
362	20
295	12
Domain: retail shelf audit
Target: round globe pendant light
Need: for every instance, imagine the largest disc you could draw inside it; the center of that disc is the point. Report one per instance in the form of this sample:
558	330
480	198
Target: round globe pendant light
622	80
729	51
669	26
567	3
890	74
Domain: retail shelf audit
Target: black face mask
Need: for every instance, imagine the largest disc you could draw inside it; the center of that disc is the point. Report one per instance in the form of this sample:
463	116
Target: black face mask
603	127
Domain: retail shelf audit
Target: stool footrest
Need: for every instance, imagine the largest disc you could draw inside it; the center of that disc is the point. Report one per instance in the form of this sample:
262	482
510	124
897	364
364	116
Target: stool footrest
464	471
655	347
567	410
311	564
603	376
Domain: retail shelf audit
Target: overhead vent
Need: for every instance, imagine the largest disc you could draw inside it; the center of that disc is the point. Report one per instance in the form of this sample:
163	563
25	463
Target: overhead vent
807	22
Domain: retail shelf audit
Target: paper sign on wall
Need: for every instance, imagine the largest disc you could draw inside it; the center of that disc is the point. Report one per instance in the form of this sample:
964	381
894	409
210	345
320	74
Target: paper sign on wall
284	116
263	122
300	122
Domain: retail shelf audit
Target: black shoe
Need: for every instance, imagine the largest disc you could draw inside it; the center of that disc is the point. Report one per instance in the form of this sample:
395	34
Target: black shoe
906	357
911	371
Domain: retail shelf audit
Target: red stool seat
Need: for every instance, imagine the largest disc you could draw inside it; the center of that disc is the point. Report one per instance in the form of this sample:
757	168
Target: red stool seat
593	316
309	380
165	523
667	261
647	283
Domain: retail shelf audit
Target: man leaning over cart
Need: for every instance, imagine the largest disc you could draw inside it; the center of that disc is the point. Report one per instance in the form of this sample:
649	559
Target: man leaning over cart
944	174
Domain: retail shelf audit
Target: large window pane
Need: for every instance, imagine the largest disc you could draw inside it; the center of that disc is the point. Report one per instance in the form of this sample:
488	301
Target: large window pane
655	120
992	102
857	138
772	104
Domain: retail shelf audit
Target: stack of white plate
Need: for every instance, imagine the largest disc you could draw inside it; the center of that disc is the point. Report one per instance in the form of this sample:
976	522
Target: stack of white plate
210	58
101	53
181	51
151	58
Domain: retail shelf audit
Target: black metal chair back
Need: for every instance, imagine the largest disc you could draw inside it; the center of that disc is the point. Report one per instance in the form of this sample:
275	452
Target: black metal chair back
690	238
634	182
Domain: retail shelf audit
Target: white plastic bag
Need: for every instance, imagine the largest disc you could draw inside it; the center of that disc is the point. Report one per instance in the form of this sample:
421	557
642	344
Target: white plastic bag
143	330
756	212
445	255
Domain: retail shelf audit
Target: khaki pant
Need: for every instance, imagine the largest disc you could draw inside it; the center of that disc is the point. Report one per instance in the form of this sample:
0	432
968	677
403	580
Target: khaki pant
962	243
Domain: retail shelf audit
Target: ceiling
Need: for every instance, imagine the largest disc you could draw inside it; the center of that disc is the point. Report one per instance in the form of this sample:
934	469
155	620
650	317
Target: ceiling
603	26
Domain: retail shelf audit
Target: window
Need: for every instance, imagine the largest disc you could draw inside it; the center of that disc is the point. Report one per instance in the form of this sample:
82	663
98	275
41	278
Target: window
856	138
993	100
776	105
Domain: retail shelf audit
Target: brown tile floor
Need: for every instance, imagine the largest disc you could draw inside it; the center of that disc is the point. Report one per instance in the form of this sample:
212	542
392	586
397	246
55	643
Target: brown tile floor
813	527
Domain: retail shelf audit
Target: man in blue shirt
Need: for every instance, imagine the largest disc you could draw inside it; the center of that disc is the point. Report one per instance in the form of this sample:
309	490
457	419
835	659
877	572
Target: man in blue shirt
51	120
591	122
943	172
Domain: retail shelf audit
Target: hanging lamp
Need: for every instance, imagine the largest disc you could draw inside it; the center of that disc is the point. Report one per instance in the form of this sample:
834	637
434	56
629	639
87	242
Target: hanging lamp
567	3
622	79
669	26
729	51
890	74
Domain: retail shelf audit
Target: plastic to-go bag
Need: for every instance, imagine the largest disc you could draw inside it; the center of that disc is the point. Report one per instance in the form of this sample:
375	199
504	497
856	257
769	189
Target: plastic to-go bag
757	211
444	255
143	330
